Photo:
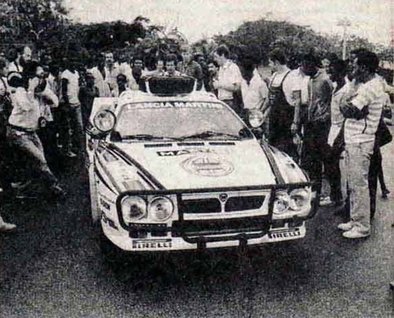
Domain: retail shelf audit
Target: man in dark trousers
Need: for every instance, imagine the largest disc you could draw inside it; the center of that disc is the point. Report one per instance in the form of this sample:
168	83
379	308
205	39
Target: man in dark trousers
315	120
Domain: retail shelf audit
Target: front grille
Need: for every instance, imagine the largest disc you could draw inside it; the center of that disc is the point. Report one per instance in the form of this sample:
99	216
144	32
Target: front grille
213	205
220	226
244	203
200	206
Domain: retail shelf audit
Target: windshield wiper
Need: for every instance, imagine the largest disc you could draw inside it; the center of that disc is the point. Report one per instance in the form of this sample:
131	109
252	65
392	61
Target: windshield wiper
146	137
211	133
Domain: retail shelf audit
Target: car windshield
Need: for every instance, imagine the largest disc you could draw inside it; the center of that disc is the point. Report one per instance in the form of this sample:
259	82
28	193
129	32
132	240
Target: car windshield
178	121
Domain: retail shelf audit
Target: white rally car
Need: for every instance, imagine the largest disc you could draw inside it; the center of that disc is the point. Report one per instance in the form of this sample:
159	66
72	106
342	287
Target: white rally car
171	168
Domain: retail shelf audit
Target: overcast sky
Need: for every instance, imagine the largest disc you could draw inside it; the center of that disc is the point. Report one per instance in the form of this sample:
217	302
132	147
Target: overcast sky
197	18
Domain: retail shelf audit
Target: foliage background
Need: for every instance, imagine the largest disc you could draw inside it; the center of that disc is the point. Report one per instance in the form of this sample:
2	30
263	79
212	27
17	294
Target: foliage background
45	25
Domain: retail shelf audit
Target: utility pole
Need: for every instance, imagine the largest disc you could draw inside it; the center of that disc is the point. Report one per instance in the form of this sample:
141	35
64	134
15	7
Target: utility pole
345	23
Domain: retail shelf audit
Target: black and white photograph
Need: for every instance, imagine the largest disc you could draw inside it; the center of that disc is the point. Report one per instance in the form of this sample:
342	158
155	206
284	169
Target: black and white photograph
196	159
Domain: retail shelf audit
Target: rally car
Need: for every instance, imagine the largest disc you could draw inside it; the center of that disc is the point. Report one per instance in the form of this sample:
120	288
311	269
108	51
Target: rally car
172	168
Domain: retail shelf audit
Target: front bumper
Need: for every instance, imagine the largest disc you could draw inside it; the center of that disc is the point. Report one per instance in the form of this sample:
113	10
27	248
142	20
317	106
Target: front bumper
170	243
122	239
200	231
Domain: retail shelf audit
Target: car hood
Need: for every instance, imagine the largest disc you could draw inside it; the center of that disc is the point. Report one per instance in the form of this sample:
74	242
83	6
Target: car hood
202	164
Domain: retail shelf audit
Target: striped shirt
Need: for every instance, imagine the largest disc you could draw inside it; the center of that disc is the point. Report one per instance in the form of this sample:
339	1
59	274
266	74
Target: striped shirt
370	94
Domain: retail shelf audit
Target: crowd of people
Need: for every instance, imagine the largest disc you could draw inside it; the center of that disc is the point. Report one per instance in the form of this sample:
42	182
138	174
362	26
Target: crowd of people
326	116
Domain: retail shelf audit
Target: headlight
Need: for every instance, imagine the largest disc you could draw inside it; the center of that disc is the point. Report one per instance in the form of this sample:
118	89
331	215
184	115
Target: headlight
288	203
255	118
281	203
104	120
160	209
299	198
133	208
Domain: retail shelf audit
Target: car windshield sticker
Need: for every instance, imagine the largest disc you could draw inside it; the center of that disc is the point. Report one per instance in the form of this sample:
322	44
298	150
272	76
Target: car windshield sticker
208	165
175	105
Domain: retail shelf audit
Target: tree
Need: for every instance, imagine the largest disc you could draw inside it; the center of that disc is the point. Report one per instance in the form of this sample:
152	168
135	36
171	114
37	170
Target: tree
39	22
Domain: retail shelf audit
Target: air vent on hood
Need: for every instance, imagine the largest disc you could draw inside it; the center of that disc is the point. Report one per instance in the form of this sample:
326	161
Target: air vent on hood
190	144
157	145
222	143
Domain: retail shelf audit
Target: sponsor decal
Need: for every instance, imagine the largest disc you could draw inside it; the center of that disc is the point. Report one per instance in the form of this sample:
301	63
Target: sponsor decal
208	165
284	234
200	105
173	153
108	220
141	244
104	204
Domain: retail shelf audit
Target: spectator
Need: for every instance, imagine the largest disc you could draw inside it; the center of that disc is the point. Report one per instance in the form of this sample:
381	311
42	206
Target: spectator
137	72
99	82
171	63
281	113
5	151
23	124
362	112
253	88
159	71
213	69
337	72
124	65
122	84
314	121
200	59
191	67
229	78
71	109
86	95
47	100
19	58
111	70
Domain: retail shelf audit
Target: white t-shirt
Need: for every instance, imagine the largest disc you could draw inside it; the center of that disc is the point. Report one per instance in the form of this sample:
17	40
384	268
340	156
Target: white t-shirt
72	87
296	81
254	93
229	74
14	66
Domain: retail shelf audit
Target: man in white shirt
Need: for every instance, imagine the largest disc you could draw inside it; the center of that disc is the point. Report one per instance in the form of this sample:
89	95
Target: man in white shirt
254	90
99	82
23	124
72	109
229	78
111	70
